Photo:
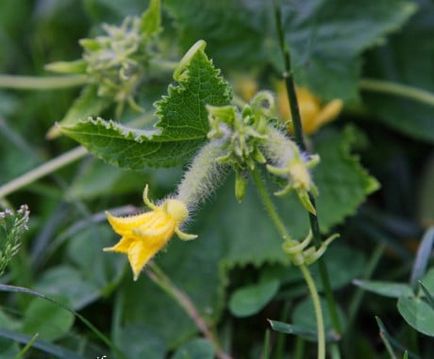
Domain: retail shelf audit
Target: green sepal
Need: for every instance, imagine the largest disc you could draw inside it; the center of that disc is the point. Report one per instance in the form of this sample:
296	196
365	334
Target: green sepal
67	67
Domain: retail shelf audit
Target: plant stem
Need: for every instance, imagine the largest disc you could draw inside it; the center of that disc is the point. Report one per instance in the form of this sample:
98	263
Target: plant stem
164	282
41	83
277	221
28	346
358	296
267	348
396	89
298	132
317	308
299	348
334	351
43	170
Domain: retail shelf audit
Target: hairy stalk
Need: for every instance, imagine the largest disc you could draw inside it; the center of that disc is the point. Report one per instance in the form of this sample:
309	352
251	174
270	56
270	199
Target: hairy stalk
298	132
159	277
199	180
392	88
277	221
43	170
41	83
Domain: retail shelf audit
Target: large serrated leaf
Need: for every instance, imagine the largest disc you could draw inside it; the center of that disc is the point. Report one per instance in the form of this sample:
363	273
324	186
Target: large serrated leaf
343	182
182	124
327	38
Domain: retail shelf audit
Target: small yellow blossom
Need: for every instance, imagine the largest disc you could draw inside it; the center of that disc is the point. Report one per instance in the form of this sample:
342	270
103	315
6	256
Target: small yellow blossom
313	114
245	86
143	235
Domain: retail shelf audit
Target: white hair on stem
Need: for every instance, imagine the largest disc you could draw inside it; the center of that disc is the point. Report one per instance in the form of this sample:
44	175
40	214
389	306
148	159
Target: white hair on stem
279	148
202	177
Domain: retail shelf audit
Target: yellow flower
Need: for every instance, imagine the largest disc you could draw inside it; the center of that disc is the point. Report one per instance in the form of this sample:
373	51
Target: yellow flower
143	235
245	86
313	114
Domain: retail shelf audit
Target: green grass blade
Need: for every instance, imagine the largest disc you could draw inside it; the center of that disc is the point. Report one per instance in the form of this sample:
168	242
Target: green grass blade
89	325
42	345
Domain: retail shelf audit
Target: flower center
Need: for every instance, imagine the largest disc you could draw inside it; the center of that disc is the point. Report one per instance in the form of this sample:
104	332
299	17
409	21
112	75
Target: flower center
177	210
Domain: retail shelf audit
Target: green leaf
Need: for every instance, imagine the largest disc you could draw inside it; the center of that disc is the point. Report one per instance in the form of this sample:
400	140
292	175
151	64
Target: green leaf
86	105
234	29
327	38
337	264
112	11
428	296
422	257
386	289
304	316
96	269
426	193
428	280
250	299
139	342
42	345
182	125
50	321
99	179
418	314
387	339
67	282
195	349
232	221
298	330
403	63
195	268
287	328
342	181
151	19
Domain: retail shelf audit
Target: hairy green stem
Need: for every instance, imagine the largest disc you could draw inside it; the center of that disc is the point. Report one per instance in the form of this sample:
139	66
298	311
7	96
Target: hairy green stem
156	274
42	82
43	170
392	88
277	221
298	133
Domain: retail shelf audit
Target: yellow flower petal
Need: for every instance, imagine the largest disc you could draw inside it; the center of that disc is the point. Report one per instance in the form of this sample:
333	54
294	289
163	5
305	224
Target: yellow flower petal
122	246
123	225
329	112
313	114
143	235
138	256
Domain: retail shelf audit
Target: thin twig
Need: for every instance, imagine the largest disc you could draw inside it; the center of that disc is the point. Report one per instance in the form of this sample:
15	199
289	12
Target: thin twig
164	282
41	83
393	88
41	171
